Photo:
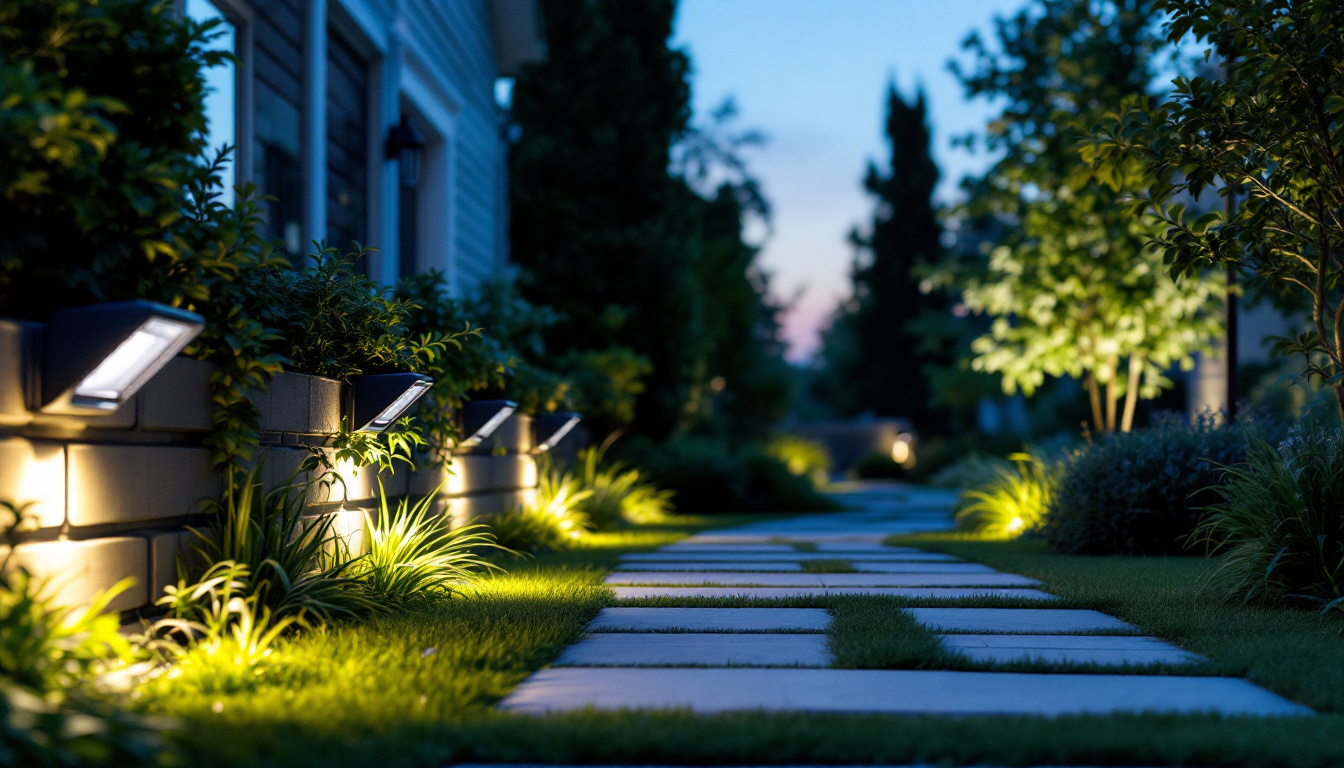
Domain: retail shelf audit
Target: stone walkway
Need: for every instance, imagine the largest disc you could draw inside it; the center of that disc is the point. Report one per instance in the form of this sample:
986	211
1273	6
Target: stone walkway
718	659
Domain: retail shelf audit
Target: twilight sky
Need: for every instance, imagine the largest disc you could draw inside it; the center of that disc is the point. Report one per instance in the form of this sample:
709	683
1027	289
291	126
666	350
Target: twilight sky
812	75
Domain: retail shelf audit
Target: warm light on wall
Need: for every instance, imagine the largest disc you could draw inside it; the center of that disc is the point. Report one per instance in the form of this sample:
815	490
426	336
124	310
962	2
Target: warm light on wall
34	472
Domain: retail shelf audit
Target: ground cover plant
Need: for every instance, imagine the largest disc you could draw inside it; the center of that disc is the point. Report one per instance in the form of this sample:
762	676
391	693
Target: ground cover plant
1277	526
1142	492
1013	501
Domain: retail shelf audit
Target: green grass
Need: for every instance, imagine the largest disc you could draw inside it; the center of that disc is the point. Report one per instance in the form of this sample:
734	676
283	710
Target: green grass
828	566
352	695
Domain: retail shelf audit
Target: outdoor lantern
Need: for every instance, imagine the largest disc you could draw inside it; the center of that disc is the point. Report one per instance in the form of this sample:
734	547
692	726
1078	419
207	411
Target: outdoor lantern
95	358
552	428
903	450
405	145
379	399
480	419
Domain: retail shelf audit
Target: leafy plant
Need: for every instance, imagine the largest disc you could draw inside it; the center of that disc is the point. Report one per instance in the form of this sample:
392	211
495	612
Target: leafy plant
970	471
618	494
221	632
1141	493
294	564
1264	131
1013	502
412	554
1278	522
554	520
803	457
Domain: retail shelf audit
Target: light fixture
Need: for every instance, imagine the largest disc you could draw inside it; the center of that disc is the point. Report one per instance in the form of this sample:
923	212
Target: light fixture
97	357
552	428
379	399
405	145
903	450
480	419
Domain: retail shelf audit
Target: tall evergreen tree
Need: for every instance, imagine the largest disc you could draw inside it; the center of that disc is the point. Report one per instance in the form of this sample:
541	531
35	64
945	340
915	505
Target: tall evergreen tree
873	360
603	232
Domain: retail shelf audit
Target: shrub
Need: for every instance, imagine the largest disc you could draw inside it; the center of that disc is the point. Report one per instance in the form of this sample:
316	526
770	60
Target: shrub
554	520
803	457
971	471
294	563
710	476
1141	492
1012	502
1279	521
619	494
878	465
411	554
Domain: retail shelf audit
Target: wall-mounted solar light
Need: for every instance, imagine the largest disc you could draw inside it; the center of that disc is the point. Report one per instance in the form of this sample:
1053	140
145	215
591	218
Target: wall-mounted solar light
552	428
95	358
379	399
480	419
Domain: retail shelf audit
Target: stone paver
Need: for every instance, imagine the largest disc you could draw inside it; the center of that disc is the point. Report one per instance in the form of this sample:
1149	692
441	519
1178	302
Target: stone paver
822	579
958	567
757	548
1053	621
721	567
698	650
1071	649
762	557
711	619
888	691
771	593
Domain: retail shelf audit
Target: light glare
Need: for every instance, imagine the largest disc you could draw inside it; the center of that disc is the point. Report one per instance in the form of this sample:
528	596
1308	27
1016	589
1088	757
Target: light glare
136	359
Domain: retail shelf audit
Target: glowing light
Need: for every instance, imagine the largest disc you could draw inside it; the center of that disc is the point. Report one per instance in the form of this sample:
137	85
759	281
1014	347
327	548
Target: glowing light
481	418
1015	525
903	450
133	362
555	426
378	400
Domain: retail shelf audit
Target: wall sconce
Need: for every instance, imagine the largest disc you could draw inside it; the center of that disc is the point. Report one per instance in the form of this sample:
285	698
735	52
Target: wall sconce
480	419
405	145
377	400
552	428
97	357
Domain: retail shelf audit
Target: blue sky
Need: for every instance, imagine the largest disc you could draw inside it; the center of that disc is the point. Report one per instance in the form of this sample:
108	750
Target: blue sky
812	75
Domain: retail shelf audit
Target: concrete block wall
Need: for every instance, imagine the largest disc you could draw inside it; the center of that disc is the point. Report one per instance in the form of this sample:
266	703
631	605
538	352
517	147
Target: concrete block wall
112	496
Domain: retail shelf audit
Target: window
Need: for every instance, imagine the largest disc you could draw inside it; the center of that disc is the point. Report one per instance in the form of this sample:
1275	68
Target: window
221	95
347	146
277	165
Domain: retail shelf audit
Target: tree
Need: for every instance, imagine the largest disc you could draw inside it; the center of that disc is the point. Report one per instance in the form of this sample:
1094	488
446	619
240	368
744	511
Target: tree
1071	286
1268	130
873	360
603	233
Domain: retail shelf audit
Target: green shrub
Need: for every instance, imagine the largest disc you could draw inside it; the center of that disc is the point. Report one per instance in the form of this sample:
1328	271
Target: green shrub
295	564
619	494
554	520
971	471
411	554
1141	492
1278	521
708	476
803	457
878	465
1013	501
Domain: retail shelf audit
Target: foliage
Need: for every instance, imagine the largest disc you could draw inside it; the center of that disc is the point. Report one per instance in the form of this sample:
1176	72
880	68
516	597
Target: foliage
605	385
711	476
1141	493
803	457
878	465
519	326
973	470
1277	522
619	494
1013	502
873	359
52	658
1071	286
1269	125
335	322
293	564
412	554
220	632
553	520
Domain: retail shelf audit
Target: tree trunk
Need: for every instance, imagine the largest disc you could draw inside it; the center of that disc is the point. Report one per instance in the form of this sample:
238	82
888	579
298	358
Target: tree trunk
1111	397
1094	395
1132	391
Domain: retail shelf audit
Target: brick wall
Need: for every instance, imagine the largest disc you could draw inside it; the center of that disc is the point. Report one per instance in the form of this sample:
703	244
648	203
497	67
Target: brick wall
112	494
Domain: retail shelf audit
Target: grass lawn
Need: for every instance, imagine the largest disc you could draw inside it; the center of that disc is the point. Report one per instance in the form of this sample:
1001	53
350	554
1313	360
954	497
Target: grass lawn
373	694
